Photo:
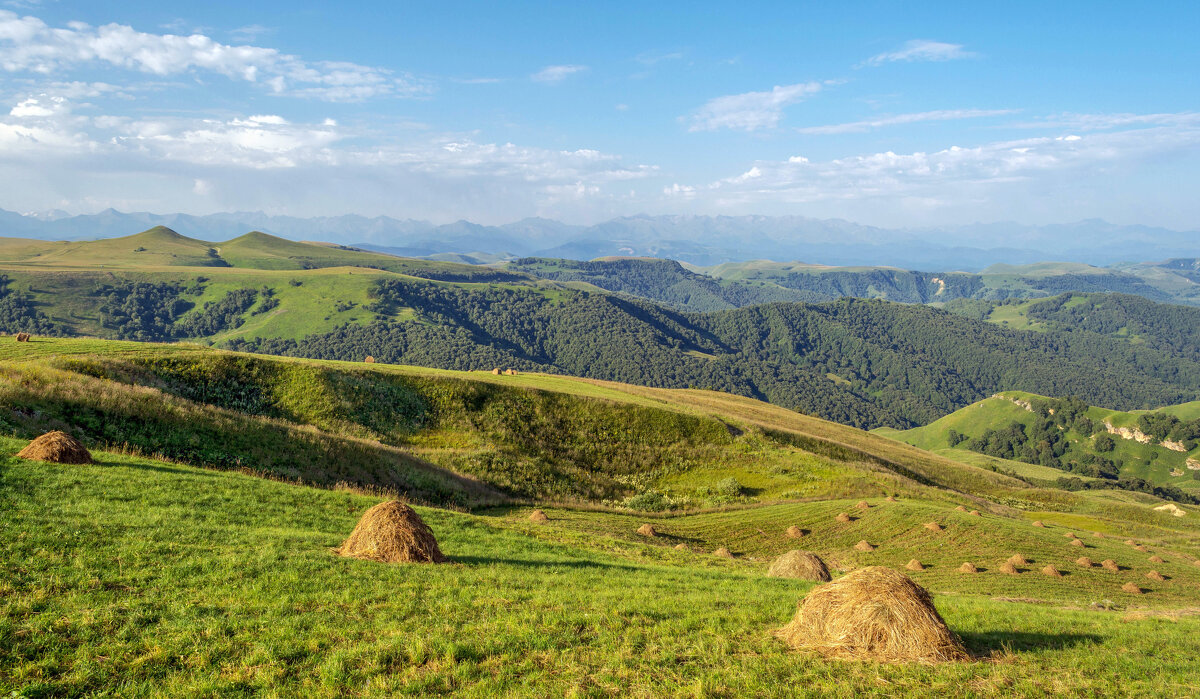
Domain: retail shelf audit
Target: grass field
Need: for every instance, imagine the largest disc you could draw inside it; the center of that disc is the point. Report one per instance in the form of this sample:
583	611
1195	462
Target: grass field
136	577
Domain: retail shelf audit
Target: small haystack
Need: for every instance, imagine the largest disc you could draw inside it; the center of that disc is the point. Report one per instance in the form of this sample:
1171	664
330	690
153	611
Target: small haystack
960	508
863	546
1009	569
876	614
914	564
1156	559
1155	575
795	532
723	553
890	498
647	530
800	565
1097	535
842	517
862	505
1038	523
1051	571
1084	562
538	516
1110	564
1130	542
56	447
1018	560
392	532
1131	588
681	547
1196	563
1141	548
369	360
974	513
1070	535
968	567
933	526
1078	542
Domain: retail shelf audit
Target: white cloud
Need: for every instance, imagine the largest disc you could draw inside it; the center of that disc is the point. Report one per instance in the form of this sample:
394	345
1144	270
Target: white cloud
650	58
555	74
250	32
41	106
920	50
871	124
27	44
751	111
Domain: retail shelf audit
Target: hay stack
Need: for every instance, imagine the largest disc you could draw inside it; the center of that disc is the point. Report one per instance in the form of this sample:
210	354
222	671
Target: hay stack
1018	560
56	447
723	553
842	517
933	526
1110	564
1070	535
974	513
874	614
538	516
914	564
890	498
1038	523
1051	571
1084	562
681	547
1009	568
862	505
1097	535
1078	542
1131	588
392	532
647	530
800	565
968	567
1130	542
22	337
795	532
1196	563
510	372
863	546
1156	559
496	371
960	508
369	360
1141	548
1155	575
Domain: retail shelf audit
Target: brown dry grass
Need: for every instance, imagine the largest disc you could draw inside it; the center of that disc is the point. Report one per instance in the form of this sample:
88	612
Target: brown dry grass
56	447
392	532
802	565
875	614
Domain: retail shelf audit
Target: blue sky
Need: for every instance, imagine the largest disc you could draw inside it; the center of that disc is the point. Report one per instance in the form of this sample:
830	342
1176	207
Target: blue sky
890	113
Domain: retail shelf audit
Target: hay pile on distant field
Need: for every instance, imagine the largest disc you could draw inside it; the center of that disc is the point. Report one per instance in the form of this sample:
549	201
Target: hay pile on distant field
1131	588
890	498
914	564
1157	559
933	526
1141	548
538	516
369	359
863	505
22	337
392	532
1155	575
795	532
1018	560
960	508
647	530
1110	564
1051	571
723	553
1009	568
1130	542
681	547
974	513
1084	562
1078	542
876	614
842	517
968	567
56	447
801	565
1038	523
864	546
1097	535
1070	535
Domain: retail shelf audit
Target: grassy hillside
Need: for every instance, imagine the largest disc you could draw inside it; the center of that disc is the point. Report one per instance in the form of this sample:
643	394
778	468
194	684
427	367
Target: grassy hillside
135	576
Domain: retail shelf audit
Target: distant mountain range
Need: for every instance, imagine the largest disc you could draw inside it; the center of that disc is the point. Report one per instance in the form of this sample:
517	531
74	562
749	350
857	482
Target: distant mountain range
698	240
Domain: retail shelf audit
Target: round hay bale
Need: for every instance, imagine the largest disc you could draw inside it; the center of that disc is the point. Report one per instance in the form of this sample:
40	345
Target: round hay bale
23	337
723	553
1078	542
1131	588
873	613
933	526
369	360
862	505
1110	564
1051	571
1038	523
863	546
392	532
968	567
974	513
1155	575
1009	569
1156	559
1084	562
1070	535
842	517
795	532
960	508
801	565
56	447
1018	560
647	530
538	516
914	564
681	547
496	371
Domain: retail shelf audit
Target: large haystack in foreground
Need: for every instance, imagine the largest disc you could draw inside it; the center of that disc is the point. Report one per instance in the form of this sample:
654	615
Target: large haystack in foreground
873	613
801	565
392	532
56	447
